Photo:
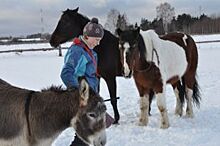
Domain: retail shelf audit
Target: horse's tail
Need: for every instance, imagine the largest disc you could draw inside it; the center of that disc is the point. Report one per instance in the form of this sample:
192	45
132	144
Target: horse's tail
182	92
196	94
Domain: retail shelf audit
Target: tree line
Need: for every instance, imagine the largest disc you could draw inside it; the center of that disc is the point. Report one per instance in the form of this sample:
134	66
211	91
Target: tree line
166	21
185	23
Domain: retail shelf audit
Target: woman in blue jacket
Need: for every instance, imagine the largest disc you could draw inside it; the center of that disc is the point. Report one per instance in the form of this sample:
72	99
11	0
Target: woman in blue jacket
81	60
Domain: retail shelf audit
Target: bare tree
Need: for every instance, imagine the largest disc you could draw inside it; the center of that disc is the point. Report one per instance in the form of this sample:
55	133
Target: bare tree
122	22
112	19
166	13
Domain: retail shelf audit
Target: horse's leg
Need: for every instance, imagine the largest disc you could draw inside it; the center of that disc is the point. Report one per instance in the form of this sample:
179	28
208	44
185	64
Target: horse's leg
144	107
178	109
161	103
111	83
189	81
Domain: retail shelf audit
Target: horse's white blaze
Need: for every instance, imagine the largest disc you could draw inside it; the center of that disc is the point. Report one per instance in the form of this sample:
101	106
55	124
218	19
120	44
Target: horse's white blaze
178	110
171	56
144	107
184	39
189	109
126	67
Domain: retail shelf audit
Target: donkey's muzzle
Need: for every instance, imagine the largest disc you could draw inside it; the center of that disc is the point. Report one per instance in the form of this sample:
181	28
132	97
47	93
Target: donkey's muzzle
101	140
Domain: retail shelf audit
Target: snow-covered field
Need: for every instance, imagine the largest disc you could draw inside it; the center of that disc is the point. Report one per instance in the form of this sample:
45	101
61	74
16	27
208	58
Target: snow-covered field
36	70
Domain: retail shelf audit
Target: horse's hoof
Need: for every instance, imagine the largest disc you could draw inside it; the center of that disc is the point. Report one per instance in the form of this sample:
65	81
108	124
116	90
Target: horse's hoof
189	115
179	114
142	122
164	126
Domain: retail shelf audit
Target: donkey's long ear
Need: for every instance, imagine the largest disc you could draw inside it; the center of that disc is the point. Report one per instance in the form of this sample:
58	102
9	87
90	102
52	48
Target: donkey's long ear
83	91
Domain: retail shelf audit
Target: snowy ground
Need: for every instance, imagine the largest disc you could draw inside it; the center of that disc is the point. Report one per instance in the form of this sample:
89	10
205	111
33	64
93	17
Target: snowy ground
42	69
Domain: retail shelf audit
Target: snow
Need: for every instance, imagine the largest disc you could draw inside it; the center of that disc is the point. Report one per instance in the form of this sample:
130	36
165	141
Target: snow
37	70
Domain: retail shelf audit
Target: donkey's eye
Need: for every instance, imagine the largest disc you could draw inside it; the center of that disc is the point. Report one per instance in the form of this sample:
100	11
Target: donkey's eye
91	115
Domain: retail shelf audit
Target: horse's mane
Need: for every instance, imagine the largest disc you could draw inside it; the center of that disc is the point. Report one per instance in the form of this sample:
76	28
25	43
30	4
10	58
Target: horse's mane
149	37
142	47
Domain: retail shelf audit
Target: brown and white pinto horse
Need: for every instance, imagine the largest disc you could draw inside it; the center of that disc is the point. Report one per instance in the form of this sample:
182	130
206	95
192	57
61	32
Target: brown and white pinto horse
154	62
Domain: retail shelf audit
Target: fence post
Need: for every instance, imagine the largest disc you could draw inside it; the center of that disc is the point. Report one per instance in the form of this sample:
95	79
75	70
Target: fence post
60	51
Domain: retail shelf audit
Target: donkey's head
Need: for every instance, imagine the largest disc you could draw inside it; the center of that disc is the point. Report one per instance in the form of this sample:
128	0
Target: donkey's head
89	122
128	42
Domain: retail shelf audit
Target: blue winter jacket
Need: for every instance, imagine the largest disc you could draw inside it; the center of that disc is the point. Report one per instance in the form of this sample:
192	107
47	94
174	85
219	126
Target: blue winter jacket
77	62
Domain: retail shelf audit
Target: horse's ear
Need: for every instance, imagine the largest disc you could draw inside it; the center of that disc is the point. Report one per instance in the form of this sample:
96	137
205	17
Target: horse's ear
136	25
137	32
76	10
118	31
67	10
138	29
83	91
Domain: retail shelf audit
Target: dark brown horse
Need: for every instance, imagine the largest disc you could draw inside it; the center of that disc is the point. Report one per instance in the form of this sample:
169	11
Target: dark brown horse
71	25
154	62
32	118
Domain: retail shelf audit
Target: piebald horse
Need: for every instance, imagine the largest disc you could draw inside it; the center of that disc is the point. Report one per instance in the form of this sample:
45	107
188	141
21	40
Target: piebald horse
155	61
36	118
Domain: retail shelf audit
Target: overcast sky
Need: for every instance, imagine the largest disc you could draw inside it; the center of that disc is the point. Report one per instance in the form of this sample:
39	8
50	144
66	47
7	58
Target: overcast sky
22	17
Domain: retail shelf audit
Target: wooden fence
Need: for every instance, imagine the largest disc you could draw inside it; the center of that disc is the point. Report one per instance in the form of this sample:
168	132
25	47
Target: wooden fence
39	49
61	48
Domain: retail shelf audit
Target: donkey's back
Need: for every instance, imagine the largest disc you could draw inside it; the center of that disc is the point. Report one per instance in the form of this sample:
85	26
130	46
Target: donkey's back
12	118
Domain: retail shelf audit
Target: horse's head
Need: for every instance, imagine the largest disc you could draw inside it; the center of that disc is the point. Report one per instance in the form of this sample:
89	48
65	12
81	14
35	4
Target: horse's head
128	43
89	122
69	26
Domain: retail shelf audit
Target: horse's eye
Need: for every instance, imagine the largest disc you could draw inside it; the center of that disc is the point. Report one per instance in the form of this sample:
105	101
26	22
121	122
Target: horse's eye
91	115
134	45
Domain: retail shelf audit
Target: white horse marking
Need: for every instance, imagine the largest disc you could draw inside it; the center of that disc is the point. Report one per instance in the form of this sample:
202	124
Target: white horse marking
144	107
189	109
172	57
184	39
161	103
126	67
